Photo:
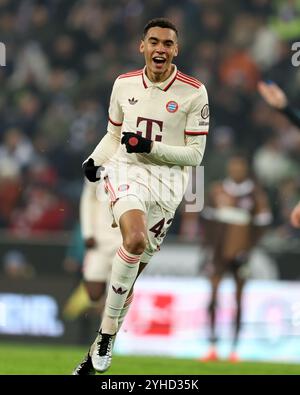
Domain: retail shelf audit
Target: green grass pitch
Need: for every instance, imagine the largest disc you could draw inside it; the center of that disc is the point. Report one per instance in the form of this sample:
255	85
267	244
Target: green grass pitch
49	360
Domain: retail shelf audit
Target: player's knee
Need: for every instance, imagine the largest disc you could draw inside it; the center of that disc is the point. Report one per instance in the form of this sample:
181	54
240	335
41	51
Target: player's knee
135	242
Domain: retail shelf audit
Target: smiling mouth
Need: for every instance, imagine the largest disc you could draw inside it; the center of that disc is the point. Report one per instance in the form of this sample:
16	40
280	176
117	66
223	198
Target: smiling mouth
159	60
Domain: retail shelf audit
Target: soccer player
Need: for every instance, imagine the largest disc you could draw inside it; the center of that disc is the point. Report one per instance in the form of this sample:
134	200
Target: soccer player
101	243
235	217
277	99
158	122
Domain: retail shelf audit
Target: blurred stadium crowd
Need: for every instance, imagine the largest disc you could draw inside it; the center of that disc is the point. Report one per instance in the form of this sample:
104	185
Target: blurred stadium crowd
62	57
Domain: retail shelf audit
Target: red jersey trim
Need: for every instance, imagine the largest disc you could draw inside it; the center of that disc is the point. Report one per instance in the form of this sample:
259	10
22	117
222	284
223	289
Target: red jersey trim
132	73
129	75
165	88
192	79
188	82
121	252
196	133
115	123
110	189
144	82
170	83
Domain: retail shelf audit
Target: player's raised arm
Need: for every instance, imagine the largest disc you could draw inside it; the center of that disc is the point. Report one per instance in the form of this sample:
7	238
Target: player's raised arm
277	99
272	94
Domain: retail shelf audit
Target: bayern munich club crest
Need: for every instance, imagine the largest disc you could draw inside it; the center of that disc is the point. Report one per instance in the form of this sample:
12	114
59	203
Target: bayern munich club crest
172	106
123	187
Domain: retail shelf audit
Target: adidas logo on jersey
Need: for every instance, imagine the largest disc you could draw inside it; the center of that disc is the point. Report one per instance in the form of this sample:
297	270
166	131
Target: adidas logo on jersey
119	291
132	101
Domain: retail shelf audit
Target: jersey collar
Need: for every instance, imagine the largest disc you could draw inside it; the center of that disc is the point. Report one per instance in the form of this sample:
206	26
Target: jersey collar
165	85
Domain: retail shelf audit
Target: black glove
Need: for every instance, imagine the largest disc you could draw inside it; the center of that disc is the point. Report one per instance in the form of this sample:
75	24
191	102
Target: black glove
92	172
136	143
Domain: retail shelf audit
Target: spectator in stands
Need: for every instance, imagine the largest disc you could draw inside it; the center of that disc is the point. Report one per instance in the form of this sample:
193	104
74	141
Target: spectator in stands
50	71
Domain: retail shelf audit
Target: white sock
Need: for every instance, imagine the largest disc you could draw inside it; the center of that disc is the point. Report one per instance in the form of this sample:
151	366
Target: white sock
124	311
124	271
122	316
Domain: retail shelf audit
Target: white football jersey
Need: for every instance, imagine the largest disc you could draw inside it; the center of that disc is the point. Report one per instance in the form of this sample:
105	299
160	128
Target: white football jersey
170	112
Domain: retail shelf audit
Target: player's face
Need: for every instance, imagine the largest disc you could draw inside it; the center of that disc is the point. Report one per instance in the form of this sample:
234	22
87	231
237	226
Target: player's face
159	48
237	169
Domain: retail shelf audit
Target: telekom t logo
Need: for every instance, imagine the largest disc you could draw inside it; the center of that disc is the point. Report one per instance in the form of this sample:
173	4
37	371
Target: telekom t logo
2	54
149	128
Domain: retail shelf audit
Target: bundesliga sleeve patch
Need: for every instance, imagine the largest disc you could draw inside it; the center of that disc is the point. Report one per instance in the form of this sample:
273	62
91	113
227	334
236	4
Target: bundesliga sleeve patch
205	111
172	106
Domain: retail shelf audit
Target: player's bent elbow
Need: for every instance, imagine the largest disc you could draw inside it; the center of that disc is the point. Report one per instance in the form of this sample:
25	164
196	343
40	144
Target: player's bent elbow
196	159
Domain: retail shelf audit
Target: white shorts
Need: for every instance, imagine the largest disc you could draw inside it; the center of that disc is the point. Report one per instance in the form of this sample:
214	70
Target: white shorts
98	261
137	196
